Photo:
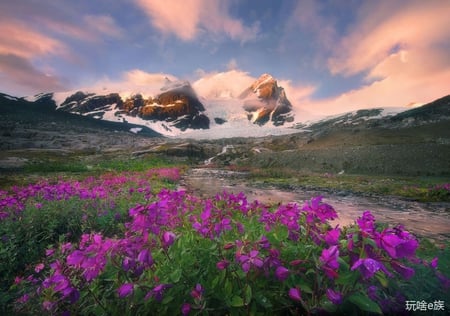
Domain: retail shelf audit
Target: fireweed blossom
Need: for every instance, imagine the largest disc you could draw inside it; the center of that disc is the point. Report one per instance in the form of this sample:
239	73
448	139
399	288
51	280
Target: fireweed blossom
294	294
125	290
250	260
368	267
398	243
334	297
366	223
316	210
281	273
329	260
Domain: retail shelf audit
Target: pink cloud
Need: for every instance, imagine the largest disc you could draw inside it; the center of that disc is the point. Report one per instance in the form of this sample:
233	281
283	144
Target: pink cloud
21	40
403	50
190	18
103	25
384	26
222	84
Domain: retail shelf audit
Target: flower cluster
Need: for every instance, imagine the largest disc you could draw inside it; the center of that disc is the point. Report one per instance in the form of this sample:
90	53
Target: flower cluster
177	253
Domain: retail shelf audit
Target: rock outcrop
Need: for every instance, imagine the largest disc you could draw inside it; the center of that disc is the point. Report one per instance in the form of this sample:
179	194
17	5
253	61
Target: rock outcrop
177	104
265	101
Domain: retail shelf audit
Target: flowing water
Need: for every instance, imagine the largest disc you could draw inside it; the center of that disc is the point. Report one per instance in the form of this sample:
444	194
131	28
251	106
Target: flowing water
424	219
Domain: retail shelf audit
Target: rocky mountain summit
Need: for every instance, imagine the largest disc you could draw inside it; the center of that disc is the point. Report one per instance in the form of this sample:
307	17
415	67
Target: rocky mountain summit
177	105
414	143
265	101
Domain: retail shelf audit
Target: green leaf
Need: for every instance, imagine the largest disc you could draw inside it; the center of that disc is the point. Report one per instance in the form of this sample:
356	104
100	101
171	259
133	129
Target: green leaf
305	288
381	277
364	303
175	276
248	294
236	301
228	288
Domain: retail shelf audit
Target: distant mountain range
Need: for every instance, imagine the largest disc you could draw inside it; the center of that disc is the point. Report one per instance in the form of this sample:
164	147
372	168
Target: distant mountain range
177	110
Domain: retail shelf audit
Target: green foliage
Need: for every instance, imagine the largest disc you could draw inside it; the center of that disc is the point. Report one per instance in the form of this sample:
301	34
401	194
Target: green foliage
118	245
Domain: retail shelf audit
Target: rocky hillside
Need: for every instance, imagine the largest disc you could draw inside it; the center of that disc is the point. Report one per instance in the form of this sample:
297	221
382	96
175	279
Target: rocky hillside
176	106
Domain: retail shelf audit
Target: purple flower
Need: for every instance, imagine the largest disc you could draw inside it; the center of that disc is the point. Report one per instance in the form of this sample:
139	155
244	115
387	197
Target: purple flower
434	263
75	258
329	261
185	308
222	265
367	222
158	291
404	271
145	257
294	294
332	236
125	290
168	239
39	267
252	259
197	292
372	293
368	267
281	273
400	245
334	297
316	209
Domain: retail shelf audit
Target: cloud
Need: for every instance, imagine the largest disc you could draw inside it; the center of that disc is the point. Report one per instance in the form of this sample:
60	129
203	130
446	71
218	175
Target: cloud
131	82
191	18
139	77
19	39
103	25
402	52
384	27
20	76
222	84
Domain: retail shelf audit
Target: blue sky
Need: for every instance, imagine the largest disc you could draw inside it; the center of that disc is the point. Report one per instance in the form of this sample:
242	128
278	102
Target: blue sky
330	56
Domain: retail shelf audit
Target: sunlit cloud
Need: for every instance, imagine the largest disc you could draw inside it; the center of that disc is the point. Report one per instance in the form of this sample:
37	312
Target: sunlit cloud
400	51
223	84
18	39
191	18
384	29
103	25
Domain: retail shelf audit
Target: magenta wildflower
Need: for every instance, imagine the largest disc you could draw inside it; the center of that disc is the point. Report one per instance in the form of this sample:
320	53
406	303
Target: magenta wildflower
281	273
367	222
125	290
197	292
23	299
334	297
294	294
329	258
252	259
49	252
434	263
398	245
158	291
332	236
403	270
168	239
368	267
222	265
39	267
185	309
145	257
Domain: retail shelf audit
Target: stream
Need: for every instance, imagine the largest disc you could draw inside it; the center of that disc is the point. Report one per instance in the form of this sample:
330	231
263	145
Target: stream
430	220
